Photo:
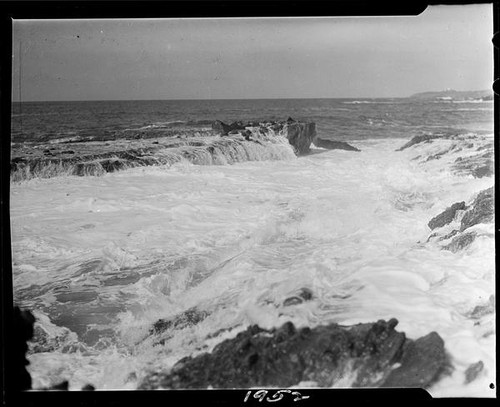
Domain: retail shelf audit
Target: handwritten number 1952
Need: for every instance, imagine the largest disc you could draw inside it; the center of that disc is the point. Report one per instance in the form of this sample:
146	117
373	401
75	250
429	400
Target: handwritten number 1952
261	395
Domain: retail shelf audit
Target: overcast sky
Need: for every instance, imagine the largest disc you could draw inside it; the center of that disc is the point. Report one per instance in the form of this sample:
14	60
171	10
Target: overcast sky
445	47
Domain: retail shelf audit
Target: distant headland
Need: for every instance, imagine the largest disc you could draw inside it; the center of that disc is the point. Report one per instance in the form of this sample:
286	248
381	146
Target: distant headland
450	94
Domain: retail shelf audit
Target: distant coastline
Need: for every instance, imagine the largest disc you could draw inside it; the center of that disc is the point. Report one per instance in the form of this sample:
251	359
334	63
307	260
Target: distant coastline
450	94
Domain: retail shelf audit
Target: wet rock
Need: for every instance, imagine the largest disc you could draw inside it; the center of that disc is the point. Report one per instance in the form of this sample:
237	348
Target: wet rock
481	310
300	135
481	210
461	242
418	139
303	295
188	318
334	145
45	340
222	128
23	322
473	371
364	355
449	235
421	363
446	216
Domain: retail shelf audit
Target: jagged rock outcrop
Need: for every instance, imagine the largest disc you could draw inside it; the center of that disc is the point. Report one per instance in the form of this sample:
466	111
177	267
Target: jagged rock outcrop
481	210
363	355
460	242
300	135
463	152
446	216
334	145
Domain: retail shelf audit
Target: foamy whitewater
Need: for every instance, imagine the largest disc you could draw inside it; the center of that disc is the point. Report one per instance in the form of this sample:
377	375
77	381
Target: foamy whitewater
100	259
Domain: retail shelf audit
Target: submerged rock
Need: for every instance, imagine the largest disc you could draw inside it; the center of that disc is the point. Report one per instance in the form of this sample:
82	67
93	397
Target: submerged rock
419	139
334	145
446	216
473	371
363	355
304	295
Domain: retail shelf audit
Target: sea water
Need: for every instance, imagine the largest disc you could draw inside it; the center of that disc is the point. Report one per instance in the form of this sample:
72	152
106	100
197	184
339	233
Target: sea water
100	259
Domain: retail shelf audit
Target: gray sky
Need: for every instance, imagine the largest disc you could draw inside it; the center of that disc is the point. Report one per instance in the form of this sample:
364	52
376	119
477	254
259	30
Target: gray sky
445	47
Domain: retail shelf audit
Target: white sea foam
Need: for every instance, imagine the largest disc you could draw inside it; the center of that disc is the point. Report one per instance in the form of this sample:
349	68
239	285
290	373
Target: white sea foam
237	240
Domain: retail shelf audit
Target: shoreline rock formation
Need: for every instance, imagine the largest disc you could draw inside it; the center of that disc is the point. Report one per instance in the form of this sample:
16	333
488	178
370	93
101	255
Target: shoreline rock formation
334	145
455	221
225	144
222	144
362	355
466	153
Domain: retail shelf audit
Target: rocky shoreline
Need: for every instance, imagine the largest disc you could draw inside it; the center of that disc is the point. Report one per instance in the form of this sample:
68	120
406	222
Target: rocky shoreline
362	355
453	229
222	144
475	152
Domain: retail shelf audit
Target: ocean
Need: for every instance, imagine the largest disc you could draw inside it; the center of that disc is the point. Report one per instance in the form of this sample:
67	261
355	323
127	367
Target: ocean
100	259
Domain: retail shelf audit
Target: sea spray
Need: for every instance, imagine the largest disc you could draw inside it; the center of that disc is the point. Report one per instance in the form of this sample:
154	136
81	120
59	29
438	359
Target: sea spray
236	242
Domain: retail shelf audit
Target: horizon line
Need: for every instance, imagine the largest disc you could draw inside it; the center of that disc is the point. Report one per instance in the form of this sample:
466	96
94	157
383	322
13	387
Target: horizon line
263	98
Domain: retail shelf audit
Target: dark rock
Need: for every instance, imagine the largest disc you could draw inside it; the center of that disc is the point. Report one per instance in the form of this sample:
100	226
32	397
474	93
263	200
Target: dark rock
237	125
364	354
247	134
67	152
449	235
304	295
472	371
481	310
300	135
222	128
446	216
481	210
461	242
188	318
334	145
64	386
421	363
23	323
418	139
